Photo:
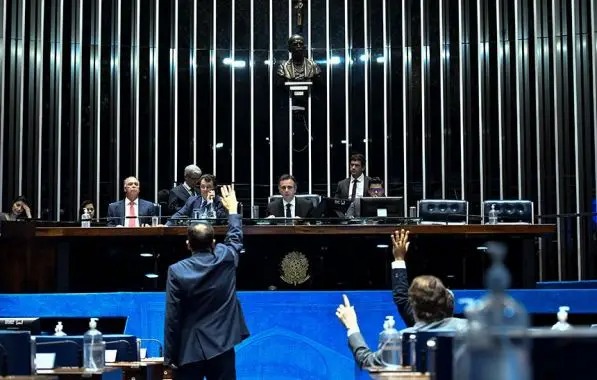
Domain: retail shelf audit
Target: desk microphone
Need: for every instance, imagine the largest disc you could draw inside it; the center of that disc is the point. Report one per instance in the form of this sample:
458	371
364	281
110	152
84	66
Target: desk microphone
161	351
3	361
67	341
128	344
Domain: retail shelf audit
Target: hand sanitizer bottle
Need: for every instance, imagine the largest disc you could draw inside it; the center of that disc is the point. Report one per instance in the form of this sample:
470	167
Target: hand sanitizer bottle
94	348
58	330
390	345
562	323
85	219
495	346
492	217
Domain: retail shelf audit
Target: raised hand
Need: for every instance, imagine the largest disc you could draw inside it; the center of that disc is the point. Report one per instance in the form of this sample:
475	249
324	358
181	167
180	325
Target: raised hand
346	314
229	199
400	244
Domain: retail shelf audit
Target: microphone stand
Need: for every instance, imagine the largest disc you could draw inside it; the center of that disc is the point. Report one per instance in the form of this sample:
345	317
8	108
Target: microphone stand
67	341
122	341
161	347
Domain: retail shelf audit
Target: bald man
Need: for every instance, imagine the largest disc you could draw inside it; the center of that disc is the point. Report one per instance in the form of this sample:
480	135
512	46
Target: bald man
204	319
132	211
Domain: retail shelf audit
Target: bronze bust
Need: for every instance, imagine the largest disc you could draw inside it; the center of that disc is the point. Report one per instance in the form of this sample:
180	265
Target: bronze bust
299	67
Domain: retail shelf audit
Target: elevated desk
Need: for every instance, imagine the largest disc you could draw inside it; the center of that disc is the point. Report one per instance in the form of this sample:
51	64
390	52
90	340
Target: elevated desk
56	259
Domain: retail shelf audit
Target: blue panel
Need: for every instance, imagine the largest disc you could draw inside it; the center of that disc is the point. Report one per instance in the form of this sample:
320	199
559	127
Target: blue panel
294	335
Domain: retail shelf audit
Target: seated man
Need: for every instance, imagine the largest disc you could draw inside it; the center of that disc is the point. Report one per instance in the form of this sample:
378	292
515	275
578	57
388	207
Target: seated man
207	203
132	211
180	194
375	190
429	301
289	206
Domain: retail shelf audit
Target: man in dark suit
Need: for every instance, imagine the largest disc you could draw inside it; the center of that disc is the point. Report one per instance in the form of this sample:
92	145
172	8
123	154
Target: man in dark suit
132	211
427	304
357	184
190	187
289	206
204	319
207	203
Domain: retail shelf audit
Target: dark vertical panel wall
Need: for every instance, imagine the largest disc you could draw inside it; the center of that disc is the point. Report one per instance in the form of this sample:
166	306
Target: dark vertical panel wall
463	99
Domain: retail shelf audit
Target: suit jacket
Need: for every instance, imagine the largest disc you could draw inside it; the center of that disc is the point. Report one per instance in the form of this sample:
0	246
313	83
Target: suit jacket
177	198
197	202
303	208
365	357
116	212
203	315
400	296
344	187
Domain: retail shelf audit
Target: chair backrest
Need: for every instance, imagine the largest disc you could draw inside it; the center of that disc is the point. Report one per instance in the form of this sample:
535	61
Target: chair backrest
314	198
442	210
510	211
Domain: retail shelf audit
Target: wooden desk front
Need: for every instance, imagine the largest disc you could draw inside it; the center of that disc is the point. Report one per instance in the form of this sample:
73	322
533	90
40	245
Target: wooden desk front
50	259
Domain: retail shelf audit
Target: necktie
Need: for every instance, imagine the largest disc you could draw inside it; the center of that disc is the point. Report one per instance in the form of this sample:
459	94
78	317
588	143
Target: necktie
132	215
354	189
288	210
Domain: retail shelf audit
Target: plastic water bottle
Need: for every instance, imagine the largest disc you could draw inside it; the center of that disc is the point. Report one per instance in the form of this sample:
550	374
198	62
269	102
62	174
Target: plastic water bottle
85	219
492	217
58	330
210	213
390	345
562	323
495	346
94	348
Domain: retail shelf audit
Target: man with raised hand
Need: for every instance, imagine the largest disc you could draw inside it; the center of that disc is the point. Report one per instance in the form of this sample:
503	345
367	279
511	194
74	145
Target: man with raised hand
204	319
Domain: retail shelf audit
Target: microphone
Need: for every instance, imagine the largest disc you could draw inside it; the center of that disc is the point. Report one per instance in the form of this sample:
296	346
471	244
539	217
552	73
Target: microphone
161	347
3	361
128	344
65	341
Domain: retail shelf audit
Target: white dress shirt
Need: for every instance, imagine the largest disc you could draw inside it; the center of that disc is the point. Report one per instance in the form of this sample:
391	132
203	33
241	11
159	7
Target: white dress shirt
292	207
188	188
360	186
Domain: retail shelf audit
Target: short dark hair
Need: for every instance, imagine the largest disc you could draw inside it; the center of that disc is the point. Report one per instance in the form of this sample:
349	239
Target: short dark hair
20	198
358	157
208	178
285	177
163	196
200	237
430	299
375	181
85	203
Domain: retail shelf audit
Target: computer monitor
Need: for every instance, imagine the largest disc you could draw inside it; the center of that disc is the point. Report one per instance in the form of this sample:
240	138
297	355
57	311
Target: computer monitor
334	207
375	207
15	353
21	324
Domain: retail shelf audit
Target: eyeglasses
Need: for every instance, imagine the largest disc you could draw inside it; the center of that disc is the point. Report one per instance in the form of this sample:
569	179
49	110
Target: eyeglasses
376	190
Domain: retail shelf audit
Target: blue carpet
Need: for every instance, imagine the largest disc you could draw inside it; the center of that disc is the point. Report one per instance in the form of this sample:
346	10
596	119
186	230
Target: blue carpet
294	335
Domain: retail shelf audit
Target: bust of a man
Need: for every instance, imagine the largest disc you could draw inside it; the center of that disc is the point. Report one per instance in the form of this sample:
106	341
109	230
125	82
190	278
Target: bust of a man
299	67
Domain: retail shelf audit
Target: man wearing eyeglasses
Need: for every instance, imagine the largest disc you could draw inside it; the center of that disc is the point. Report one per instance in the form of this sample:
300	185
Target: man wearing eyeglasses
289	206
375	190
190	187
